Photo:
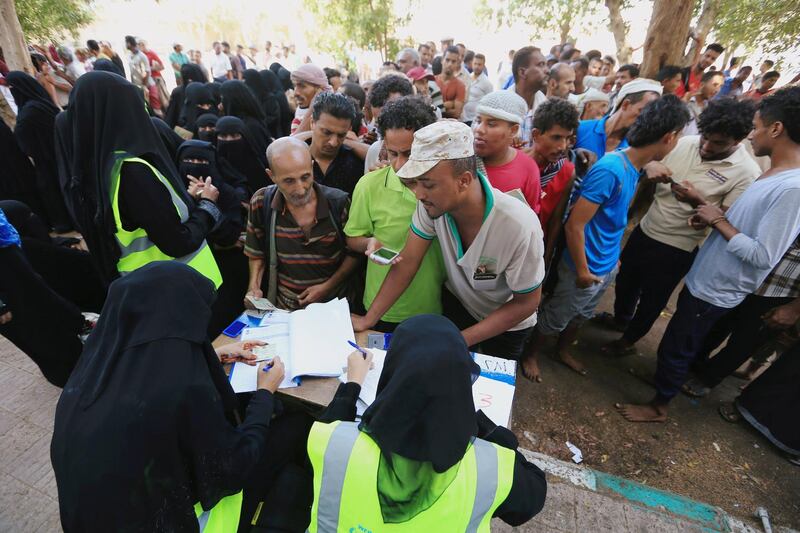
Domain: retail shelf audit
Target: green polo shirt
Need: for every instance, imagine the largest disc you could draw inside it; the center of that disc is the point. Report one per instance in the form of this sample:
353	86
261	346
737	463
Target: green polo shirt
382	208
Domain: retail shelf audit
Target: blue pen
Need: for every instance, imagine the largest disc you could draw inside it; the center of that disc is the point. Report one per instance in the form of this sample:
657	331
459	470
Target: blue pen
359	348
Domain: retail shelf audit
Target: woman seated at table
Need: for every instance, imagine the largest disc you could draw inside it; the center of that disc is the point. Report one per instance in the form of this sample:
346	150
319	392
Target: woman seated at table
145	438
421	459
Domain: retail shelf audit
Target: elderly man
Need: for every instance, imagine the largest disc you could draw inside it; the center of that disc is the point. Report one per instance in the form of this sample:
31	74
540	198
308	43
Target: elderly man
561	82
406	59
304	219
309	80
491	243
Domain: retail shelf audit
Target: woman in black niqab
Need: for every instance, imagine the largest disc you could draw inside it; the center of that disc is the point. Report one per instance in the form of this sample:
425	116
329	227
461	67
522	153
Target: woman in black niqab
206	128
106	65
266	99
172	141
286	114
238	101
189	73
242	153
144	428
34	133
17	175
106	119
198	100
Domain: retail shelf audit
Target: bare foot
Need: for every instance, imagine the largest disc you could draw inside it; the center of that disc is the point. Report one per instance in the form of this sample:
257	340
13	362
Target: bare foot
649	412
530	368
566	358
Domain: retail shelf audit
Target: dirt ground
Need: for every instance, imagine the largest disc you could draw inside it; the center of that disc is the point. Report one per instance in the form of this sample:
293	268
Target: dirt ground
695	453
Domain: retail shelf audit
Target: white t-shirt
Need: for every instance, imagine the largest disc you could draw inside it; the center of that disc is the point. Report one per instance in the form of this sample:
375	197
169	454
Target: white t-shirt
506	256
220	65
75	69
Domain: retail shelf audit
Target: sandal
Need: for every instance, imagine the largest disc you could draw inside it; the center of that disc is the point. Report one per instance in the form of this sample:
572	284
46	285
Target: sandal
729	413
695	388
618	349
610	321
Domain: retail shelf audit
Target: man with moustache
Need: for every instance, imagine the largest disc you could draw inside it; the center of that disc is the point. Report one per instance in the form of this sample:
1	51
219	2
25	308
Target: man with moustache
309	80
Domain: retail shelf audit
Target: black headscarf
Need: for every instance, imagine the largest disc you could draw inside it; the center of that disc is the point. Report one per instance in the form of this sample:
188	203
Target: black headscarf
266	99
106	65
284	75
232	188
286	115
34	133
239	101
216	91
17	175
241	154
204	121
189	73
106	115
424	410
196	95
171	140
142	429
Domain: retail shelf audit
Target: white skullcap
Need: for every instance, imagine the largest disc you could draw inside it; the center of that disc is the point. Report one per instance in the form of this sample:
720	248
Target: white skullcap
639	85
504	104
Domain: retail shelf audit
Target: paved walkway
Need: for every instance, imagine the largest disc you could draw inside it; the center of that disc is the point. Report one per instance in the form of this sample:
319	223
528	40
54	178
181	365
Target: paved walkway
579	499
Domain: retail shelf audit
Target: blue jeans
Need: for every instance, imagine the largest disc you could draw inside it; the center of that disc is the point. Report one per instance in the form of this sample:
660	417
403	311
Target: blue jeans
682	342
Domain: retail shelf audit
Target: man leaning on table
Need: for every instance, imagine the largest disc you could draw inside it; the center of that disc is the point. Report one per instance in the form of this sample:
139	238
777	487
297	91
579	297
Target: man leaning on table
491	243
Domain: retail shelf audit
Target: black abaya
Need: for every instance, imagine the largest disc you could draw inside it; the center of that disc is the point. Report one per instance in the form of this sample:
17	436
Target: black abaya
17	175
197	101
143	428
35	136
265	97
189	73
771	403
286	115
239	101
172	141
241	154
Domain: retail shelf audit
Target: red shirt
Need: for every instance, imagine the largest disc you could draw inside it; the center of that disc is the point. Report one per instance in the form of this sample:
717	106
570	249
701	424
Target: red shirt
152	56
554	190
453	90
520	173
694	84
757	96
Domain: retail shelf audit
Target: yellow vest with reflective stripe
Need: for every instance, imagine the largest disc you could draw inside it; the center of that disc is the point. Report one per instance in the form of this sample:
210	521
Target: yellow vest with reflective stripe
222	518
345	462
135	246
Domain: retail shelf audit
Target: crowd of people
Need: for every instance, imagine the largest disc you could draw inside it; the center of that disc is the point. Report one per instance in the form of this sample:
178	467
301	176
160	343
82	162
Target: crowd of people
506	212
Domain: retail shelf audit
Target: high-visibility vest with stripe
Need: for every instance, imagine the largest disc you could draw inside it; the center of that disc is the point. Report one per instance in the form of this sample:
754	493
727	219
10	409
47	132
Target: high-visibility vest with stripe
135	246
222	518
345	462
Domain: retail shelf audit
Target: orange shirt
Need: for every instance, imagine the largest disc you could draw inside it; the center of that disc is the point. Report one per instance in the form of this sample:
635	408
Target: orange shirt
453	90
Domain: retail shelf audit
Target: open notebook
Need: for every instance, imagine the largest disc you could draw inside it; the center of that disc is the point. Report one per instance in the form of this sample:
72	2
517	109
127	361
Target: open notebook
492	392
310	342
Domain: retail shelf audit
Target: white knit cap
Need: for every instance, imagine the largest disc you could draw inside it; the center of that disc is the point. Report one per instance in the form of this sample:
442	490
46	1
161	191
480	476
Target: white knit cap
505	105
639	85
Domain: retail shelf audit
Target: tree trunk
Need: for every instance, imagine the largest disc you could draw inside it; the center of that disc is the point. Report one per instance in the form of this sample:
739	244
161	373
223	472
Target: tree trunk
11	39
704	24
7	114
666	35
619	28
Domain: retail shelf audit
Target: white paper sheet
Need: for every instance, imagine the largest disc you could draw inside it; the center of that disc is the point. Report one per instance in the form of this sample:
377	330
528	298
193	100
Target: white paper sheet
318	338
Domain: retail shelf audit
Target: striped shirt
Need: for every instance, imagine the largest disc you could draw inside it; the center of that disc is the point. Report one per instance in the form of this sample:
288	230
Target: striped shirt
304	259
784	280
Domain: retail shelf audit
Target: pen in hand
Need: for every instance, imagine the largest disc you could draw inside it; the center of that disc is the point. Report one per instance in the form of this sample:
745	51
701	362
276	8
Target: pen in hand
359	348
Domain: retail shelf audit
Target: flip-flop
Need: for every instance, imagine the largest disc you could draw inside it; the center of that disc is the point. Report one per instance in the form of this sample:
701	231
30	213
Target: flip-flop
729	413
612	350
794	460
695	389
609	321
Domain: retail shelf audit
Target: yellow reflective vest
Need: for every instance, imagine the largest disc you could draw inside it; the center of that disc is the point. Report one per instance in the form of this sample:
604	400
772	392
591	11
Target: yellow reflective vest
222	518
345	462
135	246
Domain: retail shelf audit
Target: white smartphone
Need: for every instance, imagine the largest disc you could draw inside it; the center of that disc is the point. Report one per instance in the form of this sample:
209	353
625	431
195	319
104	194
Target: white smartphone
384	256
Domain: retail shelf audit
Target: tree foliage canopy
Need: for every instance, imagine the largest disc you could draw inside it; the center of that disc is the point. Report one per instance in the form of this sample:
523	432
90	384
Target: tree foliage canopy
768	25
365	24
44	20
542	16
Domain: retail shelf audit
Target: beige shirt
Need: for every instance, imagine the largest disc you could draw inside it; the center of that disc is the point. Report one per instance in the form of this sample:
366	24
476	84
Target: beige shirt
506	256
720	182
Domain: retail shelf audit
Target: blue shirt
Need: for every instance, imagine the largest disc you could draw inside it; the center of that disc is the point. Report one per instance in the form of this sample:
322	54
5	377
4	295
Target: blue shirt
8	235
728	90
611	184
592	136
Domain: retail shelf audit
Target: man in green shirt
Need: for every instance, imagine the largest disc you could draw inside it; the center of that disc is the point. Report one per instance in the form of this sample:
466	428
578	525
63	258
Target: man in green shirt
380	216
177	58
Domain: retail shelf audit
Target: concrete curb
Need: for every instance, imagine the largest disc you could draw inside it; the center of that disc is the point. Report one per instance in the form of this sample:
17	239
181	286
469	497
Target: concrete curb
707	517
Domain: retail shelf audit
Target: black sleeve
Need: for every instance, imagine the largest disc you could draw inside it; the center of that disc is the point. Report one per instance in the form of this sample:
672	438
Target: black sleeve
343	406
529	488
145	203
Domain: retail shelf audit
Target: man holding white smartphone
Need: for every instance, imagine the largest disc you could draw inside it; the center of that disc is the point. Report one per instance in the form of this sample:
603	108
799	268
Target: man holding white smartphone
380	215
491	245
